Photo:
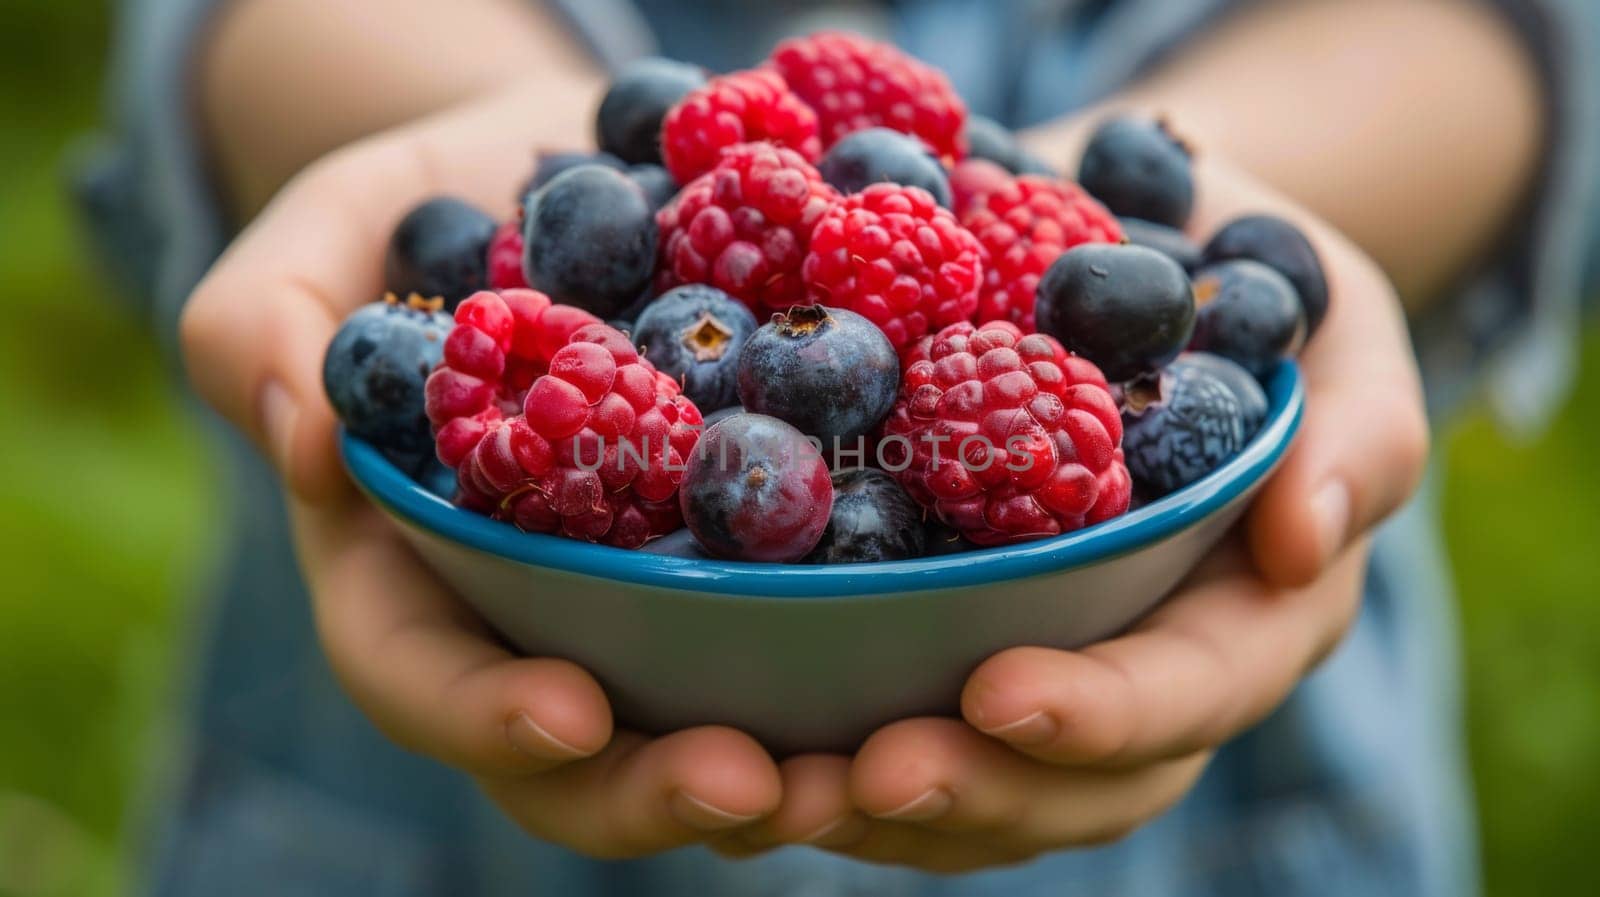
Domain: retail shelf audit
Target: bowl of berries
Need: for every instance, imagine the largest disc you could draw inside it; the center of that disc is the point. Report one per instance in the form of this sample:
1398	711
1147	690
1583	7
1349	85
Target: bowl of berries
788	426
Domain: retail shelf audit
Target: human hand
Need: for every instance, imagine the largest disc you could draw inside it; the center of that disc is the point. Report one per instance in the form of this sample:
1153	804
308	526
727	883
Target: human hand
536	733
1060	749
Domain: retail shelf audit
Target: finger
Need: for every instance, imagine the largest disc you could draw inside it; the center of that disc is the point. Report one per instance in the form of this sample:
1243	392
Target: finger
642	796
425	669
255	330
943	776
1212	661
816	808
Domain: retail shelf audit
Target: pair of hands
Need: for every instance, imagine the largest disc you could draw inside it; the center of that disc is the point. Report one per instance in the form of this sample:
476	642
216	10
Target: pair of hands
1055	748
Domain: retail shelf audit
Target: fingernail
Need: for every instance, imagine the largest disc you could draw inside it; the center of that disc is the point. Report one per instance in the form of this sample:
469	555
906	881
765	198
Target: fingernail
697	814
278	415
1330	508
931	804
528	737
1034	729
844	831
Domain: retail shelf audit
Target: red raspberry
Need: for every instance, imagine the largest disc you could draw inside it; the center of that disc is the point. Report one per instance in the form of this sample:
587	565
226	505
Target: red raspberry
740	107
973	179
744	226
1024	227
855	83
505	257
1007	439
553	422
892	255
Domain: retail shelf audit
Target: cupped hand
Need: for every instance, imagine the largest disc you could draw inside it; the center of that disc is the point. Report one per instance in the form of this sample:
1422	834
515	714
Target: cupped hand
1060	749
535	732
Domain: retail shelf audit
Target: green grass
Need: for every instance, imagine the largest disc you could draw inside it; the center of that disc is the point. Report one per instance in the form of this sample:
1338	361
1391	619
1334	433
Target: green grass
105	511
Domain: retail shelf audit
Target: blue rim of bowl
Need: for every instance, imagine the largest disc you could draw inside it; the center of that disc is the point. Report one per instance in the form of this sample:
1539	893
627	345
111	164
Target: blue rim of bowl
390	487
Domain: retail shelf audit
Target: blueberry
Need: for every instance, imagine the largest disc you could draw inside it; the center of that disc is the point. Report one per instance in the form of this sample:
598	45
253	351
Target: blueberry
1138	168
1169	241
1185	422
1247	313
441	248
1277	244
1028	163
830	372
873	519
874	155
693	334
756	490
1252	398
656	182
629	121
589	239
552	164
375	371
1126	308
942	539
988	139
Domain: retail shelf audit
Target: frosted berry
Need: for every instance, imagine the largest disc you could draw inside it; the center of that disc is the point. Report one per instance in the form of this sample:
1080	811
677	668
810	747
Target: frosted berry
828	372
873	519
1128	309
694	334
628	124
1247	313
740	107
439	249
894	256
1139	168
756	490
1006	439
589	239
744	227
854	83
1187	421
1024	225
375	369
879	155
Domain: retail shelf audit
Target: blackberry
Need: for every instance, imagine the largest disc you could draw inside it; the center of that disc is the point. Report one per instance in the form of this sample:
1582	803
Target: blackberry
589	240
1128	309
1277	244
1168	241
628	124
694	334
873	519
869	156
1186	421
829	372
1139	169
376	369
1247	313
440	248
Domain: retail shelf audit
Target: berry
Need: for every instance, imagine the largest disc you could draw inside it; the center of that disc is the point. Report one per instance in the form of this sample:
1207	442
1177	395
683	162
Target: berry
893	255
1006	439
1024	226
1128	309
437	479
1278	244
1252	398
505	257
756	490
1028	163
1168	241
551	164
854	83
589	239
559	428
693	334
628	124
873	519
375	369
990	140
656	182
741	107
826	371
1138	168
439	249
678	544
744	227
973	179
1247	313
1184	422
874	155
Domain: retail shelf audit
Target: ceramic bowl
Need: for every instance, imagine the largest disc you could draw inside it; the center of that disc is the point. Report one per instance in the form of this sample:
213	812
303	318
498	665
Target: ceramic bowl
810	658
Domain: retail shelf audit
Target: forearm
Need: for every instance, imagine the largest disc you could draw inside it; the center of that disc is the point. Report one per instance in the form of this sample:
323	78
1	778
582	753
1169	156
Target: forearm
1414	126
286	81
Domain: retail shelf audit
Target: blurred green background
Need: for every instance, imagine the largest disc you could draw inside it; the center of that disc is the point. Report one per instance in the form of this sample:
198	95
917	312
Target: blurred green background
105	511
